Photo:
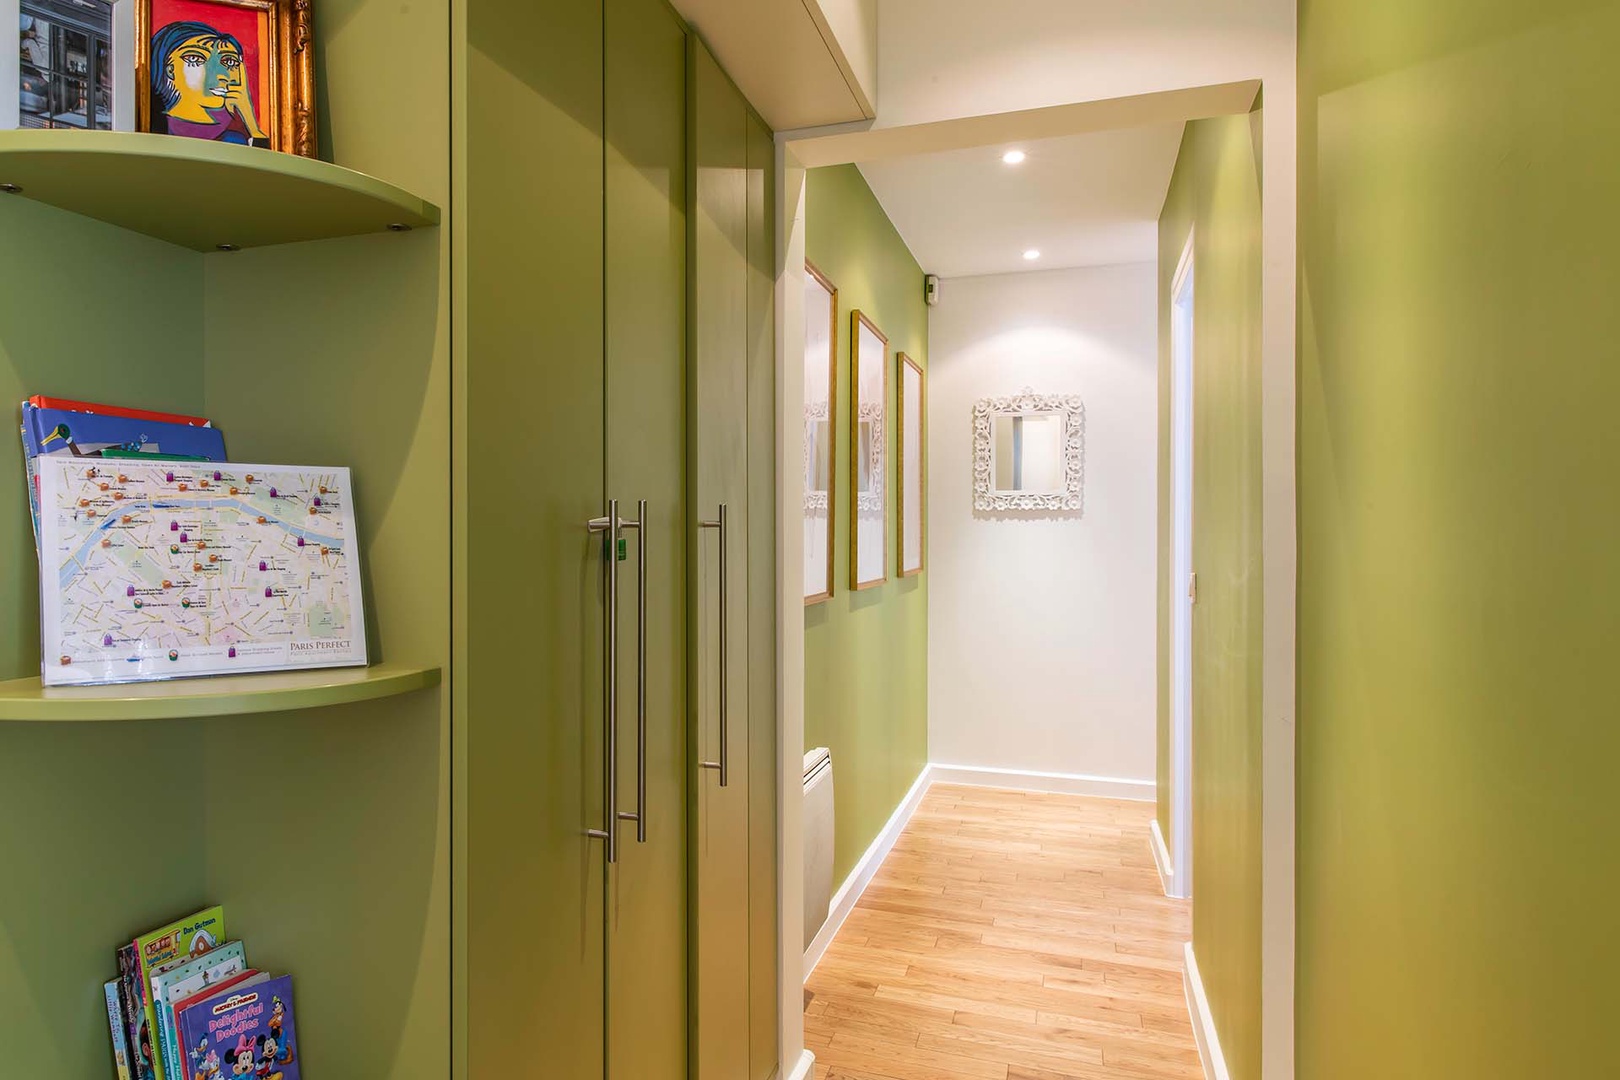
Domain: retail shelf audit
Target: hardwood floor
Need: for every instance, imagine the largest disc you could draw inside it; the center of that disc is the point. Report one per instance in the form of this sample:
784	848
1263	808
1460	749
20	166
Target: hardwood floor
1009	936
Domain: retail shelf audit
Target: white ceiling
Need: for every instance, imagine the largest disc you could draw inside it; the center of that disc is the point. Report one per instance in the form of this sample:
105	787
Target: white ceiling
1081	200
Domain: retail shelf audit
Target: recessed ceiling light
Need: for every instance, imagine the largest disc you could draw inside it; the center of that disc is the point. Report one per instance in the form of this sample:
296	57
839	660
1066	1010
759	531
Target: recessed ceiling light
1013	157
1031	255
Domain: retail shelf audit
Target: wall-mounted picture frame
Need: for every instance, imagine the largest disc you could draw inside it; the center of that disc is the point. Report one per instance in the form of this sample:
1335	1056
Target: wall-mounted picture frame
868	454
911	532
74	67
232	71
820	432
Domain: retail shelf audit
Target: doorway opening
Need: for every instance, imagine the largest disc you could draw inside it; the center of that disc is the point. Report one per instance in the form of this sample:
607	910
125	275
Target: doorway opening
1184	593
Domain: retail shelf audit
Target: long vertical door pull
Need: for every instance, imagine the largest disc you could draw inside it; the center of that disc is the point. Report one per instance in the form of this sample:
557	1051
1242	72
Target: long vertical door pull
642	529
610	712
725	617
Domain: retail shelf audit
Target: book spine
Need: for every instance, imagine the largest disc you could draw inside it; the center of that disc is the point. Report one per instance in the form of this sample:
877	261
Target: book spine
115	1025
165	1050
31	477
152	1032
130	1004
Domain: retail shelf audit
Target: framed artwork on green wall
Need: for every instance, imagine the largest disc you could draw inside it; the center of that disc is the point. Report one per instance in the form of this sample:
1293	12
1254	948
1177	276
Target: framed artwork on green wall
868	454
820	423
913	527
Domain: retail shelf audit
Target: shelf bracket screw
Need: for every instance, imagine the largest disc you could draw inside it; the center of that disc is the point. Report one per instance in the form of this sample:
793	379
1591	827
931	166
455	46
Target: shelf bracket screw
11	189
227	247
399	226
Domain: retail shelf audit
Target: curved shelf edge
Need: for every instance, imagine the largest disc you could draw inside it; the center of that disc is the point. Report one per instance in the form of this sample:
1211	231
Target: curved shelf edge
203	195
228	695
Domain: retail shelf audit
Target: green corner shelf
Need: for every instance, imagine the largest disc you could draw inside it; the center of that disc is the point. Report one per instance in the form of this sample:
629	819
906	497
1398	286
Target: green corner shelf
229	695
203	195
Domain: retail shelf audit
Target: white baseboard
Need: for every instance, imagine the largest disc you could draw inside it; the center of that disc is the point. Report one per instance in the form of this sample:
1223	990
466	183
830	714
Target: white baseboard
1161	859
1209	1043
843	901
1107	787
804	1069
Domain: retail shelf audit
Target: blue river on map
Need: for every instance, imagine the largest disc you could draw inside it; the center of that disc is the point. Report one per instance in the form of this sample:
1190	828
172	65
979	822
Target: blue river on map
76	564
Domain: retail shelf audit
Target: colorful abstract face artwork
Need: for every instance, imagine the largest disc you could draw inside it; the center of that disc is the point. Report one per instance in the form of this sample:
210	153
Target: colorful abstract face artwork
209	70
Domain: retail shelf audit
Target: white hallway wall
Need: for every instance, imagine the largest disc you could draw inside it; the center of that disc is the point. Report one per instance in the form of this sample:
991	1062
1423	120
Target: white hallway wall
1041	628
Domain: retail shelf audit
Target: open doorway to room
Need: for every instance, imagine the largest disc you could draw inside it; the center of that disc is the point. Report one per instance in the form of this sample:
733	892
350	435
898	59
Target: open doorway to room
988	883
1177	869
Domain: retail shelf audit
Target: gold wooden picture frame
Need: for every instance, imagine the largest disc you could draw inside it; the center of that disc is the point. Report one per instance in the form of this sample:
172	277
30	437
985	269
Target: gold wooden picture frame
868	453
912	426
815	416
233	71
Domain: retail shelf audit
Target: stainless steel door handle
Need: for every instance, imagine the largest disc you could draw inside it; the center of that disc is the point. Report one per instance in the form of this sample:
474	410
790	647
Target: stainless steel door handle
642	529
725	617
610	712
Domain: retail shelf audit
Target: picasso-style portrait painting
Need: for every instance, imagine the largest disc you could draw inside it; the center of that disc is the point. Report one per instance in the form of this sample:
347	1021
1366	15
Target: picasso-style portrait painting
230	71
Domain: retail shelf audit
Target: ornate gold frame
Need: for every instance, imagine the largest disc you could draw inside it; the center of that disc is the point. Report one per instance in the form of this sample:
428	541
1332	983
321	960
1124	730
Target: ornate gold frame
832	428
880	438
290	108
922	466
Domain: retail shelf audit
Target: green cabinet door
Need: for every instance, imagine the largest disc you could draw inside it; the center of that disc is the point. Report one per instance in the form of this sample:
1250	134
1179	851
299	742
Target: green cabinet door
534	435
719	679
646	455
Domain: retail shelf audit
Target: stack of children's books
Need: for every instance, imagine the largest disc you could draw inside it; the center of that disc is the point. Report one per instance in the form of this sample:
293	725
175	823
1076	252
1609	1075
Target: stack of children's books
187	1006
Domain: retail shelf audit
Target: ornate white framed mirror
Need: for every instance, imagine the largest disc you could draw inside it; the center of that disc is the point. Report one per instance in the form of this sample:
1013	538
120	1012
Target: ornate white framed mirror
820	422
1029	453
913	528
868	458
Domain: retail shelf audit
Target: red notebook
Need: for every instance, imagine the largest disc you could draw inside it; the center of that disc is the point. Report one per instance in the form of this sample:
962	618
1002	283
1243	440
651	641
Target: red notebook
40	401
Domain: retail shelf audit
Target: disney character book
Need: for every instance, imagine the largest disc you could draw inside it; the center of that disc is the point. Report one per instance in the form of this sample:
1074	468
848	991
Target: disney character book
199	1060
177	984
115	1023
243	1030
164	948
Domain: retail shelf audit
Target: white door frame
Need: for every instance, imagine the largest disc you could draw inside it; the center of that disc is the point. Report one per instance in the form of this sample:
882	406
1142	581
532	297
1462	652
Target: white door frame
1182	596
796	1061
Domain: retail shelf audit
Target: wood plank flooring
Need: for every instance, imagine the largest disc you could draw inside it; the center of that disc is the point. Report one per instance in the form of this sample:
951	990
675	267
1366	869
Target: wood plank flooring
1009	936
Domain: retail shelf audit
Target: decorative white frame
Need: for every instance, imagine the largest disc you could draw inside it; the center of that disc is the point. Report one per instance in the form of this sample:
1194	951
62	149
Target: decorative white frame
873	498
1071	500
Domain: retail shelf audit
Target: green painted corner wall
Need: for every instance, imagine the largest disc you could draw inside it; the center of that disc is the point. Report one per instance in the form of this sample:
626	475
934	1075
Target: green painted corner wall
88	311
354	369
334	352
866	653
1457	509
1215	195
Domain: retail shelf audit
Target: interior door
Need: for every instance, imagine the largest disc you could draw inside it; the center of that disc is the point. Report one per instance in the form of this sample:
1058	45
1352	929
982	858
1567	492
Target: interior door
534	436
646	445
719	677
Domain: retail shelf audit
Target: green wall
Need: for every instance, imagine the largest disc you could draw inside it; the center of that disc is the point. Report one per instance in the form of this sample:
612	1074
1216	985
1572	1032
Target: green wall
1458	580
334	352
86	311
1215	194
866	653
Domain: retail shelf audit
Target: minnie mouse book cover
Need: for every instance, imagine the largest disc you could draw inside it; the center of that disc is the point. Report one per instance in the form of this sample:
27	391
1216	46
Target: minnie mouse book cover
243	1031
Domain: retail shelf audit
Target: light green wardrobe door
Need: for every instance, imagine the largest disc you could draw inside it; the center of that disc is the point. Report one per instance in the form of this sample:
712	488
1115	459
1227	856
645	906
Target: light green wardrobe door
762	707
646	456
533	310
719	462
